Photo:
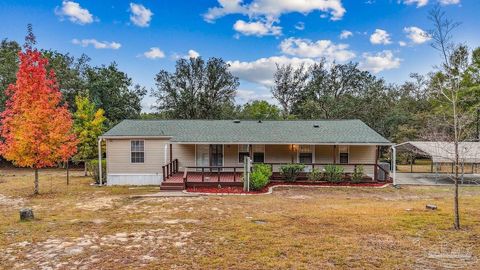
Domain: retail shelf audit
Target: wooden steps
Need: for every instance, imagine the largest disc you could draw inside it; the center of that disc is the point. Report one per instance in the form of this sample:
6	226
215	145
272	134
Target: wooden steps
172	186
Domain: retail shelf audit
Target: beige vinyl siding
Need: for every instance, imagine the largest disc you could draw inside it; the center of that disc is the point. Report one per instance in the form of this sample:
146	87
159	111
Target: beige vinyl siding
324	154
362	154
185	153
276	153
365	155
119	159
230	155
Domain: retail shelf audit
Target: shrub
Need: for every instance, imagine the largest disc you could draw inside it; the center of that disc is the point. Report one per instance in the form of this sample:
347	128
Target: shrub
315	175
357	174
260	176
92	169
291	171
333	173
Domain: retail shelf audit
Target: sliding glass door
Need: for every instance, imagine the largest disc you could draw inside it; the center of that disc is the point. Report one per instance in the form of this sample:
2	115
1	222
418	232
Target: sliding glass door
216	155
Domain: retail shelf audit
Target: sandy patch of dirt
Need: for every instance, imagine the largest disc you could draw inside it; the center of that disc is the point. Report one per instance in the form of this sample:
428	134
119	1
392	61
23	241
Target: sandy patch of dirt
11	202
140	248
95	204
446	257
299	197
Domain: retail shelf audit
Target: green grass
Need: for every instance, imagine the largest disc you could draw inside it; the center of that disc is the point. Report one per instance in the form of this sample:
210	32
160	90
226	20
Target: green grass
318	228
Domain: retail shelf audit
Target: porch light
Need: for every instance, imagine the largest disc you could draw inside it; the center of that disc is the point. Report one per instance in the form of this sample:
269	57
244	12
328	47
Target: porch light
294	148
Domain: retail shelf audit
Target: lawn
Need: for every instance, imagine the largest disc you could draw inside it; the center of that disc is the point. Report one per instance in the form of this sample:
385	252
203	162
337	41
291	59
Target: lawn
86	227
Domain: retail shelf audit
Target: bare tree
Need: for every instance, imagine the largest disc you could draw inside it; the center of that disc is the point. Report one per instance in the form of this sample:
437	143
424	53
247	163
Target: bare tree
446	87
289	84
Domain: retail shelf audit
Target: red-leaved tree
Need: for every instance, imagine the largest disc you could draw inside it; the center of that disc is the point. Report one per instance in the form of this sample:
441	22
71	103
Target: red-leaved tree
35	126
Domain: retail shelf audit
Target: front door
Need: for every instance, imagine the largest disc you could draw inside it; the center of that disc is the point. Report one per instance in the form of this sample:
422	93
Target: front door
216	155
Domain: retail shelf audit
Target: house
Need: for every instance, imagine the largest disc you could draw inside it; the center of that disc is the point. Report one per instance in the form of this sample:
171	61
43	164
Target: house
151	152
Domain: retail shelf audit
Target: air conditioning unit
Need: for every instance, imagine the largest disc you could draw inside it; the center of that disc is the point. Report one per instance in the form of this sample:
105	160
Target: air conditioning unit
381	175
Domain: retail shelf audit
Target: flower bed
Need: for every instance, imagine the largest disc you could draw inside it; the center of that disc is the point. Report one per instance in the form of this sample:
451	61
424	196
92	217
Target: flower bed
239	190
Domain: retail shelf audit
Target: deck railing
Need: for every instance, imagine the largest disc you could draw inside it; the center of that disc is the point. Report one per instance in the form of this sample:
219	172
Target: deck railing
216	172
212	170
312	166
170	169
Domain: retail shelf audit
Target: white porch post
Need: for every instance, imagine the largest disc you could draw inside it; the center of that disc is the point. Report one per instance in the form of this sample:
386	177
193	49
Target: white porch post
394	165
100	181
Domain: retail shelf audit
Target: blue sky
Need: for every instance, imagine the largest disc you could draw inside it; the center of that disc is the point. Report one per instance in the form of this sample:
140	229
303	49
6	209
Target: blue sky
385	36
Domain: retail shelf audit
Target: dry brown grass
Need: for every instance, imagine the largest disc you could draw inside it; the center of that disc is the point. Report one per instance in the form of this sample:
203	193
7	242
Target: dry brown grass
425	166
81	226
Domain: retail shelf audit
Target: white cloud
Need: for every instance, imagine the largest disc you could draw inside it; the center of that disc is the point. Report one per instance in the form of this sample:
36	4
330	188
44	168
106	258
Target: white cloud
97	44
74	12
141	16
417	35
190	54
154	53
257	28
274	8
380	61
261	70
345	34
319	49
402	43
380	36
422	3
419	3
300	26
243	96
193	54
449	2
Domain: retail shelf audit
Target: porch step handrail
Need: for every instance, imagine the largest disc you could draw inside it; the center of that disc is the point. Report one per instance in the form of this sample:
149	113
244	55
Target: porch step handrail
170	169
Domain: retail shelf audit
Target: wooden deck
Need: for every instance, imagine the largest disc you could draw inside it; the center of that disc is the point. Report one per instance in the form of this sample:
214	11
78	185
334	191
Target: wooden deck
195	179
211	177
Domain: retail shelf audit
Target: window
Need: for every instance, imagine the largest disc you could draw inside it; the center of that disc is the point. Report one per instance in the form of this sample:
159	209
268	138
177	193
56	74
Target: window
137	151
243	152
258	153
305	154
343	150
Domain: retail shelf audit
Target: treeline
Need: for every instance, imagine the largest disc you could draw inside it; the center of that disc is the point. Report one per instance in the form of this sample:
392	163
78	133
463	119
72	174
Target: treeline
106	86
206	89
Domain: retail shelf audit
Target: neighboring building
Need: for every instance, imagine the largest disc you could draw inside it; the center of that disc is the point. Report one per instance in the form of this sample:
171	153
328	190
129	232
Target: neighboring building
442	152
138	150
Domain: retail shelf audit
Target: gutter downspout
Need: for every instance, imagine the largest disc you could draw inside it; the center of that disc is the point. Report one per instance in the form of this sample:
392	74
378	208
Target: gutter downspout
100	180
394	165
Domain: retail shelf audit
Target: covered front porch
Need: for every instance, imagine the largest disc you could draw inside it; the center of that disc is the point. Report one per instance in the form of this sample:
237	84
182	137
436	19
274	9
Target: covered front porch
196	165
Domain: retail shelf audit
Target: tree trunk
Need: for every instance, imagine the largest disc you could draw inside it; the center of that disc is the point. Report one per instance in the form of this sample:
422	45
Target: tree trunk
35	189
68	174
456	223
85	168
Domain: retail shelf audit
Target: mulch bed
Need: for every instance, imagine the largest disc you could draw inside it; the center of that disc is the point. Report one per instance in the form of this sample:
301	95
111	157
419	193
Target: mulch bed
239	190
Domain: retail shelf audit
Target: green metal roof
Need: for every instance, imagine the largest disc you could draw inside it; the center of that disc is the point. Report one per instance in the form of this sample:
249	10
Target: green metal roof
228	131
